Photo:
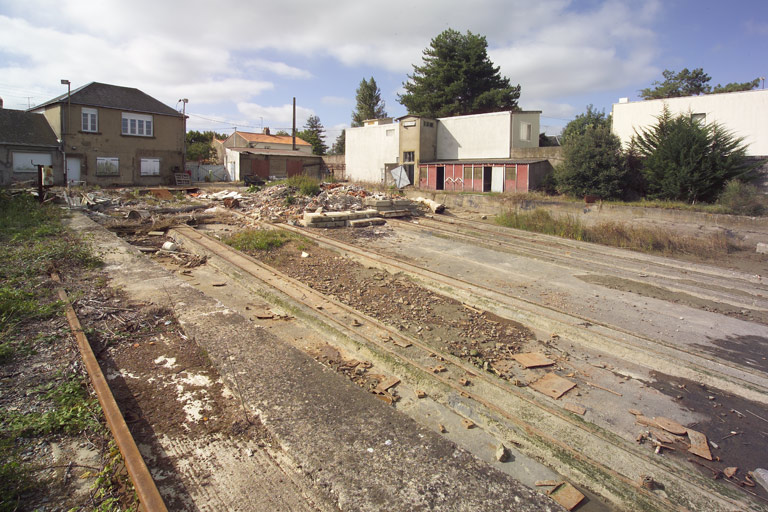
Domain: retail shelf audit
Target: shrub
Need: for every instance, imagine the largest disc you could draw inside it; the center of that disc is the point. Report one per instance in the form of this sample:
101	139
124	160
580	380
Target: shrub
307	186
743	199
686	160
259	240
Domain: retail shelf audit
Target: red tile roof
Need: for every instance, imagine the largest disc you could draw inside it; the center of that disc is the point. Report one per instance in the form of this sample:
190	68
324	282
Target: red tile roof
273	139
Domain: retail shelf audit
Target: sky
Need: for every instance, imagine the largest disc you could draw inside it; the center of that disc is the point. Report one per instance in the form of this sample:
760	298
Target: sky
240	64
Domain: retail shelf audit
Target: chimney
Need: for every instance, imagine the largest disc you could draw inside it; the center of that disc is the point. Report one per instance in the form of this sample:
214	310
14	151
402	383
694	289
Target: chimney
266	130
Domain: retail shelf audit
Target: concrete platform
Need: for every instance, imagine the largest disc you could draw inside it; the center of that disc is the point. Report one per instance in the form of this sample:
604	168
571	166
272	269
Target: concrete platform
357	450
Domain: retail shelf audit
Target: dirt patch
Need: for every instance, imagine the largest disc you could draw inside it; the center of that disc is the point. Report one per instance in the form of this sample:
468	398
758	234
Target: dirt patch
750	351
737	429
657	292
477	336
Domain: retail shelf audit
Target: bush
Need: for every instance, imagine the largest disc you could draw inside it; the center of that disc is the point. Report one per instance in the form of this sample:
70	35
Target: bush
743	199
686	160
259	240
307	186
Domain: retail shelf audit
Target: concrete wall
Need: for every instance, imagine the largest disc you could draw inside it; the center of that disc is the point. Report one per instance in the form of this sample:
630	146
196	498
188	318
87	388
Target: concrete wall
552	153
519	119
744	113
473	137
369	149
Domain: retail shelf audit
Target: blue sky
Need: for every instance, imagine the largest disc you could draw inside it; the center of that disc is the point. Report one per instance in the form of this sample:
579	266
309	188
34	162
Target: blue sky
240	64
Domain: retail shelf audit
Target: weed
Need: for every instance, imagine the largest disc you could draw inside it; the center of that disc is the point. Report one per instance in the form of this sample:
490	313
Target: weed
307	186
650	240
289	200
262	240
743	199
252	189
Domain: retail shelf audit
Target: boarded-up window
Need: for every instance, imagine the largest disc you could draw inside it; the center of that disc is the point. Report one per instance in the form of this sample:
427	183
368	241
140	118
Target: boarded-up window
510	173
150	167
107	166
28	162
467	173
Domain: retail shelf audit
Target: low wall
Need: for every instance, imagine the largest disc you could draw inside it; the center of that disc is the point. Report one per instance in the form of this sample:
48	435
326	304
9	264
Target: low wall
552	153
750	229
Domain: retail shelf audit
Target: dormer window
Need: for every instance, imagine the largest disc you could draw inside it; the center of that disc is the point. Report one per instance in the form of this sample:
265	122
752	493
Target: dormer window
139	125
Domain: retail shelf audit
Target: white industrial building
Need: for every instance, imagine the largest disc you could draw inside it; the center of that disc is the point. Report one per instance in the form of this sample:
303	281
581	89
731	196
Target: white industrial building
745	114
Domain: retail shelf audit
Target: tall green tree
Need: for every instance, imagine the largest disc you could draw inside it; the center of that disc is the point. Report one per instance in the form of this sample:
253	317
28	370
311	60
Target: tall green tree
456	78
369	103
314	133
690	83
339	147
593	162
199	148
686	160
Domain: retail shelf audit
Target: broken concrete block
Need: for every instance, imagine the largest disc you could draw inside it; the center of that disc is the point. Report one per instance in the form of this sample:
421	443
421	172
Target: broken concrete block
762	248
502	454
760	476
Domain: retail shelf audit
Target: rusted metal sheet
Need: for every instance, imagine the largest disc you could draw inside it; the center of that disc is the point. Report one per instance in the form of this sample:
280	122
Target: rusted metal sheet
553	385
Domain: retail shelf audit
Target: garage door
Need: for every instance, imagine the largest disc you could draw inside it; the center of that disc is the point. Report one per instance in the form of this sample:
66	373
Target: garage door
28	162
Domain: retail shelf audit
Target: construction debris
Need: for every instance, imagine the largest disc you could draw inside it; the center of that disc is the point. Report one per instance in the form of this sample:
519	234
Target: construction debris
575	408
699	444
566	495
670	426
502	453
533	359
433	205
553	385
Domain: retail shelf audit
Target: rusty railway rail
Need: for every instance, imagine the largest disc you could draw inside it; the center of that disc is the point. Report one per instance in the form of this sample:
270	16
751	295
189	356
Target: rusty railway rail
149	496
592	467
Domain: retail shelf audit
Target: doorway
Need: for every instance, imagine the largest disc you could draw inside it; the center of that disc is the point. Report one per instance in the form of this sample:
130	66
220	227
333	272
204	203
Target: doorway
440	177
497	179
487	179
73	170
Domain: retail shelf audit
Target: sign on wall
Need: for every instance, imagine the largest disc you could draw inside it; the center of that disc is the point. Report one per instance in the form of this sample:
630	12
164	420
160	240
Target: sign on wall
28	162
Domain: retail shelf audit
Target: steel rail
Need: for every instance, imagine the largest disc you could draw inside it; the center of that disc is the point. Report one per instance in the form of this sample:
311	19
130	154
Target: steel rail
600	335
303	295
149	496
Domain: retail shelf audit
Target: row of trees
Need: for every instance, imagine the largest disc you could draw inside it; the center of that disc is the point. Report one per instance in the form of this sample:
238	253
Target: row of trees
690	83
679	158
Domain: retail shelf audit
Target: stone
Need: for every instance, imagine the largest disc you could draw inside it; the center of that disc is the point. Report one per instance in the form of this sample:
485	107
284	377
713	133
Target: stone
502	454
760	476
762	248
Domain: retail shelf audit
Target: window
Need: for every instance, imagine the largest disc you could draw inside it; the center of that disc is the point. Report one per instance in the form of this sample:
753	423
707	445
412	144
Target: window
525	131
390	133
699	118
137	124
409	156
429	124
150	167
107	166
28	162
90	120
409	123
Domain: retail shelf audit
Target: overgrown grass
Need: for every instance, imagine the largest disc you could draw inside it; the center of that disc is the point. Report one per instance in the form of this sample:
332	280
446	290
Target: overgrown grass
263	240
304	184
650	240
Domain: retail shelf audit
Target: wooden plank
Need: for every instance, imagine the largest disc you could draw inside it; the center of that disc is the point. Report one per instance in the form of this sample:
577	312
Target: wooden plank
699	444
566	495
670	425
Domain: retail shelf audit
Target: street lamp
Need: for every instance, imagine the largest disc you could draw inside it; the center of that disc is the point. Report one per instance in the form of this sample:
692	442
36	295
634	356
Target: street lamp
65	127
184	102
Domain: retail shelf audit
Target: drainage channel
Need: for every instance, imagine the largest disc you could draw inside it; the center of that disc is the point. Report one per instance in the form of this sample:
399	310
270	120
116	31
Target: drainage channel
733	288
581	451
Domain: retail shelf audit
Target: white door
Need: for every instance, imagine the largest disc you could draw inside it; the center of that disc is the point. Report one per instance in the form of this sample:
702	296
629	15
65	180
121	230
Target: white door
497	179
73	170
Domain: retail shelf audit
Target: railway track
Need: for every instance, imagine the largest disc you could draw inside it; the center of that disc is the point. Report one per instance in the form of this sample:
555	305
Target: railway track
652	353
709	283
589	455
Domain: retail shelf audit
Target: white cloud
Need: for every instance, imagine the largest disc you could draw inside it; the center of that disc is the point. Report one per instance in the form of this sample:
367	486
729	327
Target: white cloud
278	117
278	68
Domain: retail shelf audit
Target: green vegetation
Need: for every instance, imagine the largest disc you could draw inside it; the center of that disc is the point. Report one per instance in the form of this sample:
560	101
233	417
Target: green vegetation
457	78
686	160
306	186
369	103
743	199
690	83
593	161
650	240
262	240
314	133
199	148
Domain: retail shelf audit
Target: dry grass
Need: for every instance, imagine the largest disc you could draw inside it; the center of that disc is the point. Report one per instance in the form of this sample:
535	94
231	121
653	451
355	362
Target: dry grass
615	234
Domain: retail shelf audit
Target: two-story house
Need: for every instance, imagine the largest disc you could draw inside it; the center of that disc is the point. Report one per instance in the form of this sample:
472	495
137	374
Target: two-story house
114	135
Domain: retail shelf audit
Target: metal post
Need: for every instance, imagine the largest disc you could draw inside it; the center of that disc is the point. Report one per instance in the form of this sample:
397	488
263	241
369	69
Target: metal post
64	129
184	102
294	123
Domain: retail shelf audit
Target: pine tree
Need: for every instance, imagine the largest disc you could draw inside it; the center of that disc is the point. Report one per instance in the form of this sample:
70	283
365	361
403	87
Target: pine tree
339	146
369	103
314	133
456	78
